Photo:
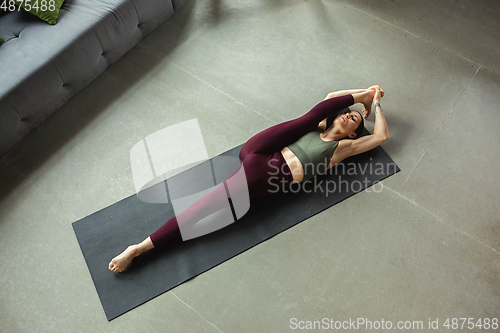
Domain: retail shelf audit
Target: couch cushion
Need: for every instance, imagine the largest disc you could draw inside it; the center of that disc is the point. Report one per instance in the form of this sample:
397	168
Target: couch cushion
52	69
12	23
152	13
119	24
177	3
12	128
47	10
43	65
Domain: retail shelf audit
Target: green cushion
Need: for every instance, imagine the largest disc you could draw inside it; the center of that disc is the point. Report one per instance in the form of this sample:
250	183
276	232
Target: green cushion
47	10
1	40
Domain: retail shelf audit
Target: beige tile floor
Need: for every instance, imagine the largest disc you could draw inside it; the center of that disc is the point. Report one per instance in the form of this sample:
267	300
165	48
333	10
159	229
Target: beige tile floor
426	246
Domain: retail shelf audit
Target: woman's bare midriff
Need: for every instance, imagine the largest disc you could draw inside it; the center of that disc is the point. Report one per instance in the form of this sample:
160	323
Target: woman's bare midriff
294	164
296	167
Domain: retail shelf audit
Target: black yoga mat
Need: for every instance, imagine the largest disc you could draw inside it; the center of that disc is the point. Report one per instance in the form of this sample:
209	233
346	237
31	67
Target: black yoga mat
106	233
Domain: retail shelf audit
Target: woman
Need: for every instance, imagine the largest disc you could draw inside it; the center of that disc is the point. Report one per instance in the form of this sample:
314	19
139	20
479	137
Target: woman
329	130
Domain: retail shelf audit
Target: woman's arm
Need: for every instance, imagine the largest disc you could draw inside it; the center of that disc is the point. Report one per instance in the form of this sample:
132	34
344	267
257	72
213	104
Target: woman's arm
368	142
343	92
380	128
352	91
322	124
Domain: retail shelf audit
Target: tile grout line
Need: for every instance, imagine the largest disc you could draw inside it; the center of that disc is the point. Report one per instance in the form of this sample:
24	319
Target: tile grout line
443	220
411	33
413	202
439	129
196	312
223	93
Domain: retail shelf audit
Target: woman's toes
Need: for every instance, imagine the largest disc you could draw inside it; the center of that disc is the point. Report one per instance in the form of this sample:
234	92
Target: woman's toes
369	100
365	112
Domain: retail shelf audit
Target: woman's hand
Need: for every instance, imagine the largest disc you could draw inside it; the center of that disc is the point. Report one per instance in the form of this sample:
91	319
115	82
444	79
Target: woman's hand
379	93
377	87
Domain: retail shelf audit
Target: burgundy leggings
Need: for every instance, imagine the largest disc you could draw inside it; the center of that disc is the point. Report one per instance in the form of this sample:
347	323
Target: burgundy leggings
261	157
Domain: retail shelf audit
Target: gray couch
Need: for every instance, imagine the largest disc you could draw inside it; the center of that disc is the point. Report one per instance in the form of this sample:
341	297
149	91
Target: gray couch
42	65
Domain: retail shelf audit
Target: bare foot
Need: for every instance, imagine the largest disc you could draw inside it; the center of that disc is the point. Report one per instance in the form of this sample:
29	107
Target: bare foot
375	87
365	113
121	261
367	106
367	103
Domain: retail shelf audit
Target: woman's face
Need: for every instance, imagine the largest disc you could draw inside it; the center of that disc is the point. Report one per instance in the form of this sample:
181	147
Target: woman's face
349	122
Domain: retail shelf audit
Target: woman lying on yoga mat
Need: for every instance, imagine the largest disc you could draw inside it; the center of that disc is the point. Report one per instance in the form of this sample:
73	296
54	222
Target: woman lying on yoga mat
331	128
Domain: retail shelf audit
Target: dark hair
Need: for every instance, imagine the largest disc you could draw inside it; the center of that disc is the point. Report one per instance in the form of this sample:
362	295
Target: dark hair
361	126
358	130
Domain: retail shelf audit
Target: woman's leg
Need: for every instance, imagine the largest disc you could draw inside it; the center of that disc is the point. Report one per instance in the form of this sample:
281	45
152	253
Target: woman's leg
121	261
281	135
276	137
257	167
210	203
